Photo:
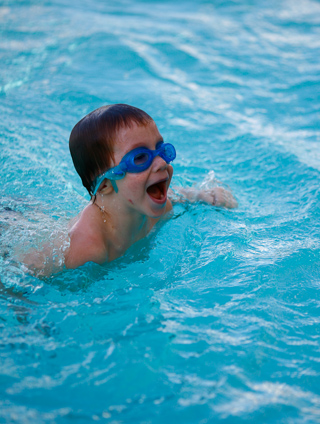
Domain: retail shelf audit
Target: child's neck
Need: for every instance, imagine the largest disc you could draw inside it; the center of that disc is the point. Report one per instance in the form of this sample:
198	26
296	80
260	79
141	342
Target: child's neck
122	227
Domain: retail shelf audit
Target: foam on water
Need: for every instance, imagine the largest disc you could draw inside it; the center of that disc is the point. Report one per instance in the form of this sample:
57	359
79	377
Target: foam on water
215	315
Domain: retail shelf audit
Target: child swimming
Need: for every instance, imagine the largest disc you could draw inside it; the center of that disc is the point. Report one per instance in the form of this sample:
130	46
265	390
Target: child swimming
125	165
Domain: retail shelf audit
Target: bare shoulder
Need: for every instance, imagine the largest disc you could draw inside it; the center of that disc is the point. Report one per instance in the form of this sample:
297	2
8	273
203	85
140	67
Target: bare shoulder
85	248
86	243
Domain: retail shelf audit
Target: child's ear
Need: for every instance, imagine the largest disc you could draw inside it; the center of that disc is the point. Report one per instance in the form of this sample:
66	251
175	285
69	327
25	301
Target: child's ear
106	187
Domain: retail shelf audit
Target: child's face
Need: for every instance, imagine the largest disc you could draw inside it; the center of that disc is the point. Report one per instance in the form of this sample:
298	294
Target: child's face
144	192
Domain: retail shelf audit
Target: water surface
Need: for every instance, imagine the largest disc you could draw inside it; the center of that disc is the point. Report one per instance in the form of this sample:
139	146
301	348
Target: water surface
215	316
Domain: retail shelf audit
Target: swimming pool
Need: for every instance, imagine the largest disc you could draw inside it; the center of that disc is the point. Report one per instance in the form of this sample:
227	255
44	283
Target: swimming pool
215	316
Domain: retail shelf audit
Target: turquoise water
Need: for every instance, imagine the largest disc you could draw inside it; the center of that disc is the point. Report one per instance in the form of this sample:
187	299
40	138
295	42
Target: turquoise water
215	316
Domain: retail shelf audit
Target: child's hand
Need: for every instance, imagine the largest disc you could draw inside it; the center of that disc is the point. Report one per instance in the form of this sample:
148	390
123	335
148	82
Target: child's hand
217	196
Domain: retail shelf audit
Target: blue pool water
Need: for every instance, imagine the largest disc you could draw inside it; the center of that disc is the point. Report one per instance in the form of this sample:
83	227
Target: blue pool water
215	316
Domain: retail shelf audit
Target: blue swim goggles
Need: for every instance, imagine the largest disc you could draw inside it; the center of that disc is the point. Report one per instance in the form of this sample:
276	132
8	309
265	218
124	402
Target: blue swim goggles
137	160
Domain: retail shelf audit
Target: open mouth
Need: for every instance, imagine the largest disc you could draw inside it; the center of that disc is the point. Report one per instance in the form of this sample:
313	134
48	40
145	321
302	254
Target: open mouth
158	191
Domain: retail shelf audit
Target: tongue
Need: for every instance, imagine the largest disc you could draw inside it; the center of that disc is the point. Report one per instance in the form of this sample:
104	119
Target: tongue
155	191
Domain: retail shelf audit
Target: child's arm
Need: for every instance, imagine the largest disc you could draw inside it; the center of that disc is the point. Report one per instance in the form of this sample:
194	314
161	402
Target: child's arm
216	196
44	261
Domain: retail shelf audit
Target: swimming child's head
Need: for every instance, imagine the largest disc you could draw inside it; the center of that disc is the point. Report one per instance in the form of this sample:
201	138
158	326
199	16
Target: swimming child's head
117	150
92	139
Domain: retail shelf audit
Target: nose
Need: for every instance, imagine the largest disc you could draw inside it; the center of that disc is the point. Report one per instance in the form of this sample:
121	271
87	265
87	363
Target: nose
159	164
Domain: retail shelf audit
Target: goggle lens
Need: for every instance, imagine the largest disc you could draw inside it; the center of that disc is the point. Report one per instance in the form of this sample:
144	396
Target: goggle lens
141	159
169	152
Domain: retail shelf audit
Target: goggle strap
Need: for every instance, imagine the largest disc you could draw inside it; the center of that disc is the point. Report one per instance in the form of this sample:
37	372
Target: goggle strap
114	185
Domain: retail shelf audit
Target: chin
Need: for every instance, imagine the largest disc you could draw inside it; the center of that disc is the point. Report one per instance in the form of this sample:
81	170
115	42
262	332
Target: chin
158	213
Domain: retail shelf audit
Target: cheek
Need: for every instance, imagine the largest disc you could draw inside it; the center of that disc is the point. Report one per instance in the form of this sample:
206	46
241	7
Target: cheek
133	186
170	171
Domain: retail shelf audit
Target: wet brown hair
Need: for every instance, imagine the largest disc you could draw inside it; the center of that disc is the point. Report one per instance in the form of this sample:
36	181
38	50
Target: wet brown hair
92	139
